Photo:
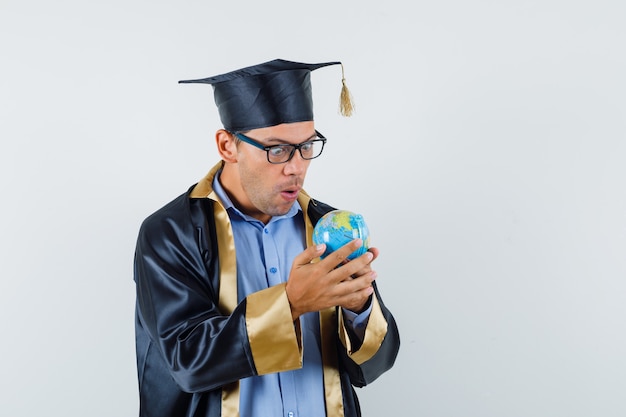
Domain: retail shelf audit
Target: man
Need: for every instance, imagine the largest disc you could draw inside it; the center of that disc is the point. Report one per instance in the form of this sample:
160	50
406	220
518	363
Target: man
237	315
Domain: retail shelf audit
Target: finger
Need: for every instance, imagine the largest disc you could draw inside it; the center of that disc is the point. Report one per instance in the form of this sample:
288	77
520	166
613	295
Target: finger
362	272
341	255
369	256
309	254
367	262
362	281
354	292
353	269
358	301
374	251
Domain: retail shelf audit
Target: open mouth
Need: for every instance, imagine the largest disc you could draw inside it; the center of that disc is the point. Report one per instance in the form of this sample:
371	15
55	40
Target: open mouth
290	194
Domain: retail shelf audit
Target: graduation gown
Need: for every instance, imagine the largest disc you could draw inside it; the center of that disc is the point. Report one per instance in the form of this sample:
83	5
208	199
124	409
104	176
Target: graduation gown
195	342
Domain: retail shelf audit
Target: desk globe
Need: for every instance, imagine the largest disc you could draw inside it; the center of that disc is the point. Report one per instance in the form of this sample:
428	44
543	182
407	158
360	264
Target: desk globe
338	227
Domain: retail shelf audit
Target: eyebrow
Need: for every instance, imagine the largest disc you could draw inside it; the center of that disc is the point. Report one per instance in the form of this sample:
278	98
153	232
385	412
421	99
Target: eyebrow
279	141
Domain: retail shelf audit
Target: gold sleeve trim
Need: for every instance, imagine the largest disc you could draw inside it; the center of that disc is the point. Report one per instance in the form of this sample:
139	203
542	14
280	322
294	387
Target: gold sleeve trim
273	336
374	334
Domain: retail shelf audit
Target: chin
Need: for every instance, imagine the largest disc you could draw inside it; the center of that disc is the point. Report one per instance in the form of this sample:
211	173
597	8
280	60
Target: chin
282	209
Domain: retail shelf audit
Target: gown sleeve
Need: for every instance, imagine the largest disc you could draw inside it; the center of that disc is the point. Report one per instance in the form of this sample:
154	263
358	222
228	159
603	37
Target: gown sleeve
202	347
365	360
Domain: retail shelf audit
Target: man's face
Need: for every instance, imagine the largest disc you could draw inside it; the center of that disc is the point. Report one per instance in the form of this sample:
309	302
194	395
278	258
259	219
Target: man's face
271	189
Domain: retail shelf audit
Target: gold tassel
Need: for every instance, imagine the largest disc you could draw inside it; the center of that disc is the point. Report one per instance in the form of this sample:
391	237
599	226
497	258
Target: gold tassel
346	105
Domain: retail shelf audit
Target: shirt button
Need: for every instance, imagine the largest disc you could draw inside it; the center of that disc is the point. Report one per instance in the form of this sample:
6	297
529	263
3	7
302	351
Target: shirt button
266	231
291	414
273	270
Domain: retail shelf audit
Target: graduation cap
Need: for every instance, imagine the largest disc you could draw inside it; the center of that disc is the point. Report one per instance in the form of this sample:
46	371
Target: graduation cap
268	94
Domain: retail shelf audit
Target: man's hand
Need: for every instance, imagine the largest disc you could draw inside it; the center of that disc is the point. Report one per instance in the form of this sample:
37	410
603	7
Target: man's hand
333	281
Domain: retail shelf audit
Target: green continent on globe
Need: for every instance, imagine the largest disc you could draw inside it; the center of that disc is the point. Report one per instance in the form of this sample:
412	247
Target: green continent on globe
338	227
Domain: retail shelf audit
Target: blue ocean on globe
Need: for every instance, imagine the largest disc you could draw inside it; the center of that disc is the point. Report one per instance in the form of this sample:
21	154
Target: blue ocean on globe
338	227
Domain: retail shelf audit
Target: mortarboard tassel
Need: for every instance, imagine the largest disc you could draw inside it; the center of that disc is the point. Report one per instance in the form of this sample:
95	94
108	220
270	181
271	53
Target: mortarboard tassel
346	105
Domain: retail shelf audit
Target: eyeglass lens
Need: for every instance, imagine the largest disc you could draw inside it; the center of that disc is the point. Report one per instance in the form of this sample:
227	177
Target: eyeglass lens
308	150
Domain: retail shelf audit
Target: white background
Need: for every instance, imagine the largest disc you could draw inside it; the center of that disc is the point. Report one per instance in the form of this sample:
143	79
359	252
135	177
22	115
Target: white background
487	156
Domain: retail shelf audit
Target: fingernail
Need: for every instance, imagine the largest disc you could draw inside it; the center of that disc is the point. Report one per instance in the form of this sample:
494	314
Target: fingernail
320	247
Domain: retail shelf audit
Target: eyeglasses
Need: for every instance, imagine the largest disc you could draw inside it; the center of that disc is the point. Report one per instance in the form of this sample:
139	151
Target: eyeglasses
279	154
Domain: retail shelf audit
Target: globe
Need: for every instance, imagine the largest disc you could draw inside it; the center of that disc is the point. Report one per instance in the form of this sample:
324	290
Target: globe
338	227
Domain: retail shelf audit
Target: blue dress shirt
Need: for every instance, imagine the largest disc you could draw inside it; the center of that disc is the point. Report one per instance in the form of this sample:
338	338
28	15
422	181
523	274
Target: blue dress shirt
297	393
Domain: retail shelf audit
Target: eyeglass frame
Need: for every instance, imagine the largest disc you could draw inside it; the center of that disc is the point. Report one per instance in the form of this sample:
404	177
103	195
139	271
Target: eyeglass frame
250	141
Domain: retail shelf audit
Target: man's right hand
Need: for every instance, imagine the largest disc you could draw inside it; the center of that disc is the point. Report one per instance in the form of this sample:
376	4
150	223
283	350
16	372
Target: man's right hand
330	282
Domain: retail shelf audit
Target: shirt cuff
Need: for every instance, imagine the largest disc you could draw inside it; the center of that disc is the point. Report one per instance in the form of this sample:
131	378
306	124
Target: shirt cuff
357	322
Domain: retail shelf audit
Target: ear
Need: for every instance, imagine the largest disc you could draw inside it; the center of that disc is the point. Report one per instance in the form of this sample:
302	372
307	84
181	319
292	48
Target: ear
226	146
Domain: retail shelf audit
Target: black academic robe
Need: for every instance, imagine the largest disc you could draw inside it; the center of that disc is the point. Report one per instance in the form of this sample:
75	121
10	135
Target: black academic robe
194	341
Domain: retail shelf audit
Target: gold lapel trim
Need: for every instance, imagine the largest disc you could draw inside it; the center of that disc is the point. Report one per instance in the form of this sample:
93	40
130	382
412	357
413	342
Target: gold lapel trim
228	290
332	382
328	331
228	273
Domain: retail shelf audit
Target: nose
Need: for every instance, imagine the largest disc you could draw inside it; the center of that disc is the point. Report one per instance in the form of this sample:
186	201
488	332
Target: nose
296	165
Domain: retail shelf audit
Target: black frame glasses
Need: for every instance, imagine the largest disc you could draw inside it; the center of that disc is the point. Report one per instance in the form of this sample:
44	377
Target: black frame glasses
275	152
